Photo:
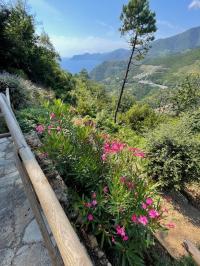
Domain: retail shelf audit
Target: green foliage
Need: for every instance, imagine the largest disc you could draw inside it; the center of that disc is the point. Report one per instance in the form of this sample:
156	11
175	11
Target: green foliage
187	95
108	179
174	155
89	97
23	93
139	21
23	52
142	117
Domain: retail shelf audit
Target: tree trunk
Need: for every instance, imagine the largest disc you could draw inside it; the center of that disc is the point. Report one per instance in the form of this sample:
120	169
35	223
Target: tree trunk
125	80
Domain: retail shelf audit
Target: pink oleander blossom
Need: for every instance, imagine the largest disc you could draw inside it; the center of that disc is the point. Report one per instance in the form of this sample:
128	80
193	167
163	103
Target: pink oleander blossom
52	116
94	203
88	204
144	206
122	179
139	154
113	239
143	220
58	128
153	213
90	217
130	185
103	157
40	129
105	189
125	238
149	201
94	195
134	218
120	231
113	147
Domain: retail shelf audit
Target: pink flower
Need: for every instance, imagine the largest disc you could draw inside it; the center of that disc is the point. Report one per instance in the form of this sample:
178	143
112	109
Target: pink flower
94	195
149	201
130	185
94	203
120	231
113	239
105	189
58	128
52	116
90	217
103	157
144	206
88	204
171	225
143	220
134	218
125	238
153	214
139	154
40	129
122	179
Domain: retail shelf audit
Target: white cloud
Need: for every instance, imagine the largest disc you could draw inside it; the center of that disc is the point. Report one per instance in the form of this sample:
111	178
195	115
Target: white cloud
195	4
68	46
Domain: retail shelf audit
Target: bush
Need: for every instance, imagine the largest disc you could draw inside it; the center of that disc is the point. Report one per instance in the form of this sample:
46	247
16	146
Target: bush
174	156
142	117
113	196
23	93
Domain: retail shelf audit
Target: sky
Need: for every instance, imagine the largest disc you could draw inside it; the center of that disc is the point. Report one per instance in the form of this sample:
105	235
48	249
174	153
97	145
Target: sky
80	26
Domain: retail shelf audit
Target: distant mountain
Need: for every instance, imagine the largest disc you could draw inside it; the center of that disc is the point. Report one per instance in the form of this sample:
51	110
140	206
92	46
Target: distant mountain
119	54
89	61
187	40
151	75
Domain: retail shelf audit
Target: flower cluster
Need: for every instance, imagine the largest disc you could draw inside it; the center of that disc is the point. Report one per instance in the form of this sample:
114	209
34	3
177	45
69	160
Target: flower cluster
151	213
40	129
114	147
121	232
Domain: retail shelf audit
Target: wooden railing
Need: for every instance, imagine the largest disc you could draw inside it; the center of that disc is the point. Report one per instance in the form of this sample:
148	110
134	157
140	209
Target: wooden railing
43	201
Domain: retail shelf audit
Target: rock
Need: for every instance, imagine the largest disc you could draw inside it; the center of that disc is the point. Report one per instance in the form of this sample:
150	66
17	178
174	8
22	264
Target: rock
100	254
93	241
6	256
32	233
32	255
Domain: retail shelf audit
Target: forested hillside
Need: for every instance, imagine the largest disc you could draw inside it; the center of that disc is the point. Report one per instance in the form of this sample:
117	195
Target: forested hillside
151	74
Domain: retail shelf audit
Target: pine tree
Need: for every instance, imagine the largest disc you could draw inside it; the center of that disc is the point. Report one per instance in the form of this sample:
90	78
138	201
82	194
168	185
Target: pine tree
139	25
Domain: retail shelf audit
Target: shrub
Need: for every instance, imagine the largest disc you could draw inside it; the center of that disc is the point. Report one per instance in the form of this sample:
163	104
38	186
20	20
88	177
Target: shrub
23	93
142	117
174	156
114	197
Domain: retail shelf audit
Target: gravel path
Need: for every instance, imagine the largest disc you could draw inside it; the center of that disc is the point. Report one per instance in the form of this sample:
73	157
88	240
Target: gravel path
21	243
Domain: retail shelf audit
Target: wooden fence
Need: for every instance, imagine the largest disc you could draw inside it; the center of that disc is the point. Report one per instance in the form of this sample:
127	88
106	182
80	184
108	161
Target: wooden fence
43	201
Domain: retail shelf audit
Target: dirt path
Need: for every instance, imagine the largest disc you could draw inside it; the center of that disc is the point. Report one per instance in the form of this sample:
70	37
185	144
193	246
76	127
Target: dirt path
187	224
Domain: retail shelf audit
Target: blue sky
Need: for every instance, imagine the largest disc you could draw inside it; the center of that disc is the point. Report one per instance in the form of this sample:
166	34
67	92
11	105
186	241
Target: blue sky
79	26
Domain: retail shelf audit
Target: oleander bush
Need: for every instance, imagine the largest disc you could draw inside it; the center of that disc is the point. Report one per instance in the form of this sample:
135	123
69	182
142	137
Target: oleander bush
113	195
